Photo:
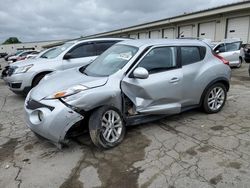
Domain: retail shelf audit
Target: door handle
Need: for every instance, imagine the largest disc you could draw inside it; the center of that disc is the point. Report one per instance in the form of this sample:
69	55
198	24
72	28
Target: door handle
174	80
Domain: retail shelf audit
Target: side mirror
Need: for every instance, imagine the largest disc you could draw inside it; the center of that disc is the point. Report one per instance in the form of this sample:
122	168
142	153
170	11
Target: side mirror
141	73
67	56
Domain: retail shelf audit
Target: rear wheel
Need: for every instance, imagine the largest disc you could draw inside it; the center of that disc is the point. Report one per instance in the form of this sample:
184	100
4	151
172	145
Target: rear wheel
106	127
215	98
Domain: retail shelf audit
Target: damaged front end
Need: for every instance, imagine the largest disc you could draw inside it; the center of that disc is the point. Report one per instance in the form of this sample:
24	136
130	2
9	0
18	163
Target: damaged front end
51	119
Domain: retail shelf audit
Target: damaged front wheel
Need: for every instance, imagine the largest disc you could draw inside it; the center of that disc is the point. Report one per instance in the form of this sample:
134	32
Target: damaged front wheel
106	127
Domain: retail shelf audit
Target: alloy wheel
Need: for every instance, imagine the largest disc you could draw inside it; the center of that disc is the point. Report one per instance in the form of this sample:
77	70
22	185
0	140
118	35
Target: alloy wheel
111	126
216	98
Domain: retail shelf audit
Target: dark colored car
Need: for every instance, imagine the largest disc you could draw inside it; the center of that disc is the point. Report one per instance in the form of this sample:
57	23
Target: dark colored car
247	53
3	55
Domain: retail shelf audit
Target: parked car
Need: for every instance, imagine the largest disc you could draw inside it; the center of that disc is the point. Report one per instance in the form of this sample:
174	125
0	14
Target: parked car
20	56
22	76
247	53
6	58
229	50
42	54
133	82
31	55
3	55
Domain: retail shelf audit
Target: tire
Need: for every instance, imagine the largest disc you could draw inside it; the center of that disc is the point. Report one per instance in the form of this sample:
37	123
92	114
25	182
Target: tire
105	134
240	63
37	79
212	103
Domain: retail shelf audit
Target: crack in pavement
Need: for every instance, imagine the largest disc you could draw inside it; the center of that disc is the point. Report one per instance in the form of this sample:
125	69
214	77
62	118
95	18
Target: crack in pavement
17	175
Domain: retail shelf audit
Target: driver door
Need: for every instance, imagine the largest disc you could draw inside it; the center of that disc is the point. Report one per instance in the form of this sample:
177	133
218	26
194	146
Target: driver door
161	92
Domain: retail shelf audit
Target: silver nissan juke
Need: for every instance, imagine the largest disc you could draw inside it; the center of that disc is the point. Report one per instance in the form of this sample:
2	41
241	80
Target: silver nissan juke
133	82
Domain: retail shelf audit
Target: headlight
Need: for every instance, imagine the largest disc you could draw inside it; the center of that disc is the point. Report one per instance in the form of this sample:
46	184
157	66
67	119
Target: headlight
65	93
22	69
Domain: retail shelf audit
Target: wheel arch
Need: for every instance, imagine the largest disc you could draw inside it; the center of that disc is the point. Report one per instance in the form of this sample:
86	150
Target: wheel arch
222	80
39	74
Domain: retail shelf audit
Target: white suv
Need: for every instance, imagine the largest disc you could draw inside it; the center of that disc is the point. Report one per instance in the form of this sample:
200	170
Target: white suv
22	76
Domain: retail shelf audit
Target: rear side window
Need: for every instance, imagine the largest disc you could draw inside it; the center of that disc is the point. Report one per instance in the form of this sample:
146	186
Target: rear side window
84	50
103	46
192	54
159	59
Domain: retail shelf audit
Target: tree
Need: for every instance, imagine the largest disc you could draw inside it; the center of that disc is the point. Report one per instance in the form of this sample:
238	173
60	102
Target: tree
12	40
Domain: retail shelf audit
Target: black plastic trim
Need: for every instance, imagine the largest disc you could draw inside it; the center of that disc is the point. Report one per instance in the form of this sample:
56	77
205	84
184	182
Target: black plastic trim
33	105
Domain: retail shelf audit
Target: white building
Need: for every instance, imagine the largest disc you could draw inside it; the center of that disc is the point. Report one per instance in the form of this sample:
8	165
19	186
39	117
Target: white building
228	21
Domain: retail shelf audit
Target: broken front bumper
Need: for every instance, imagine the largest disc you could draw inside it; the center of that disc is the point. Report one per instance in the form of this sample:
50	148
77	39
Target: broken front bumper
50	119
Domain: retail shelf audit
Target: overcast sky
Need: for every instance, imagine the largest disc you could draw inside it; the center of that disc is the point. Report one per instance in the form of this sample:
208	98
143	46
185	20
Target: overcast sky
38	20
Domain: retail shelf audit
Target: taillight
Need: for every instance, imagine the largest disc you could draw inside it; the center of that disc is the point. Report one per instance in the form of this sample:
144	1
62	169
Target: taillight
226	62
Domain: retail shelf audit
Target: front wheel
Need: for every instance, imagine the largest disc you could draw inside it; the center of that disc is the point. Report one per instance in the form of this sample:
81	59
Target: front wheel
106	127
215	98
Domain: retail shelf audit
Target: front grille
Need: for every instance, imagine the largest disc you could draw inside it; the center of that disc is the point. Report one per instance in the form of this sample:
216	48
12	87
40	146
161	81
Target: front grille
15	85
33	105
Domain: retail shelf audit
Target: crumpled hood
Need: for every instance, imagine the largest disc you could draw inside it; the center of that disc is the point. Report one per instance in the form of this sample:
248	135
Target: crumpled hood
61	80
30	61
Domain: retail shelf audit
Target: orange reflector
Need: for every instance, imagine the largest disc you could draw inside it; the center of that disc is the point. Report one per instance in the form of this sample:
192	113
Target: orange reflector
59	94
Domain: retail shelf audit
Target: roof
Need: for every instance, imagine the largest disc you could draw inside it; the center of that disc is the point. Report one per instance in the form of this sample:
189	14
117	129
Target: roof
152	42
80	40
186	16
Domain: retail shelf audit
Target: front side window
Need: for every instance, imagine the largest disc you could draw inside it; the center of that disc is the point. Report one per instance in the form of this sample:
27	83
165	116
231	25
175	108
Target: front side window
103	46
189	55
84	50
159	59
220	48
110	61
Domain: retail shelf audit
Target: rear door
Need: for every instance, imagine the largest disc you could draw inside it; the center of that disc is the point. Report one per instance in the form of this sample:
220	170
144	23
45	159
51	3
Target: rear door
161	92
192	63
81	54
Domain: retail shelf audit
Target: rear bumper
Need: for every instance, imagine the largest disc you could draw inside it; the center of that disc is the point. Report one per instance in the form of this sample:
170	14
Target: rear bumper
234	63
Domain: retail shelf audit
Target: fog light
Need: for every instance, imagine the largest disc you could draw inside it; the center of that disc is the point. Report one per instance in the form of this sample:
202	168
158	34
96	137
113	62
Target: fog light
36	117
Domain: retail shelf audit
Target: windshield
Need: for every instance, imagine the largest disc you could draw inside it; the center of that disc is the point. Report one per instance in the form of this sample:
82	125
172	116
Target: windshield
18	52
58	50
46	53
110	61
